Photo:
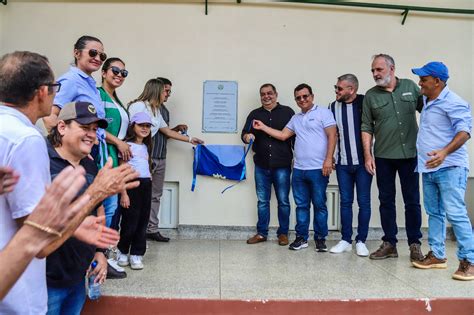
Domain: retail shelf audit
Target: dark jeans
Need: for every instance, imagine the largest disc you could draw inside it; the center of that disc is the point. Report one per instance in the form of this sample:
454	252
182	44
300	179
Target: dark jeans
310	186
280	178
386	170
66	301
135	220
347	177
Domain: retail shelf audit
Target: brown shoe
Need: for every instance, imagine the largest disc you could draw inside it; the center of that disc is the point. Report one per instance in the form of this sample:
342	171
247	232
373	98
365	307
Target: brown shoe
283	240
386	250
415	252
257	238
430	261
465	271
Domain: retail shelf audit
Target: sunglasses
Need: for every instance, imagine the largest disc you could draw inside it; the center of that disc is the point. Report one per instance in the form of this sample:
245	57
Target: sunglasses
54	87
117	71
302	97
94	52
340	88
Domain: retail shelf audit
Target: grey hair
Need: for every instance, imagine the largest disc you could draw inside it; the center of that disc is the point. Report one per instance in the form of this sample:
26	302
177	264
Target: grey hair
349	77
388	59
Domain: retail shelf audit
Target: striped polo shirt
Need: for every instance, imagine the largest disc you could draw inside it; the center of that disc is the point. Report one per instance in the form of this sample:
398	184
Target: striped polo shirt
349	143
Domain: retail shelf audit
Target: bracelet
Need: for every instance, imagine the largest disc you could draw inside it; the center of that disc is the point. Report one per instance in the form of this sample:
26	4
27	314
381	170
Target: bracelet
43	228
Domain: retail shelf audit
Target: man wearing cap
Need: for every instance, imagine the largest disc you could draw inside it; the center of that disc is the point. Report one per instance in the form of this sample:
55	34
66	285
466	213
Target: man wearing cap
388	115
69	143
445	126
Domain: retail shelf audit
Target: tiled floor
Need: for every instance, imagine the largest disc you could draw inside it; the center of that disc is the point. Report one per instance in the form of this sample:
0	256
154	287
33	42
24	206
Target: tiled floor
223	269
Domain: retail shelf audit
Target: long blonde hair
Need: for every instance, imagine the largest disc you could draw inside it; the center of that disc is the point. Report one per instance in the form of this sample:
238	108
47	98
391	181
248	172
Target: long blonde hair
151	94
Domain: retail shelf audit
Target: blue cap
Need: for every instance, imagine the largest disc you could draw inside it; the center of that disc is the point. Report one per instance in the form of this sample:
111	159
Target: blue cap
435	69
141	118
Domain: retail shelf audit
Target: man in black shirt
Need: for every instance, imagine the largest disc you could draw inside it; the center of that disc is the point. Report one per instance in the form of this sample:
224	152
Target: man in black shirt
273	159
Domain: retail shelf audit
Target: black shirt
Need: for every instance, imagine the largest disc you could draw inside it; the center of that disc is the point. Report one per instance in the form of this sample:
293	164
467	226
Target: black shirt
270	152
67	265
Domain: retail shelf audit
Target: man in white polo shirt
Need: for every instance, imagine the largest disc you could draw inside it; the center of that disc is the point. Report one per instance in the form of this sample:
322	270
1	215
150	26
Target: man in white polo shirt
315	130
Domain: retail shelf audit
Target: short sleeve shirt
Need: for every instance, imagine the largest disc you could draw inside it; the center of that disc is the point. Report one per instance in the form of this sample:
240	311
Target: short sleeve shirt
311	139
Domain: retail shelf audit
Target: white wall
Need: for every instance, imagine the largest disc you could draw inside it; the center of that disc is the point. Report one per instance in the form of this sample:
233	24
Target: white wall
250	43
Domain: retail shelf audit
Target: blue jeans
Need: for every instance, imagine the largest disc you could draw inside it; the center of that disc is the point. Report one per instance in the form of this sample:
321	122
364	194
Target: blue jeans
66	301
386	170
310	186
443	192
280	178
110	206
347	177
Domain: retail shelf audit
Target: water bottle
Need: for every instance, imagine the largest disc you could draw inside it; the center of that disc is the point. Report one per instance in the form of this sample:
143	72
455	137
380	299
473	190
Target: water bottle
94	288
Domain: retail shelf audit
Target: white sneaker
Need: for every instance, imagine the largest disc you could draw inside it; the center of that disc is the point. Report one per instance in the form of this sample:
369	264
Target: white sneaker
113	263
361	249
136	262
123	260
341	247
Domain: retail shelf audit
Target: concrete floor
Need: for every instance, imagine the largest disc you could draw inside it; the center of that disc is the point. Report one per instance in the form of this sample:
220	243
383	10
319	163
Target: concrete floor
225	269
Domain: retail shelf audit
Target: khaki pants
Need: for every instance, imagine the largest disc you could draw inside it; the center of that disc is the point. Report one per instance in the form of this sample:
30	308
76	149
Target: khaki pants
157	182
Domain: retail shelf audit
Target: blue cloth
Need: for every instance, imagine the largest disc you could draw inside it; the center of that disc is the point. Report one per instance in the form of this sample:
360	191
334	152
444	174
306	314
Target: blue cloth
347	177
409	181
443	193
310	186
110	207
440	121
220	161
280	178
69	300
76	85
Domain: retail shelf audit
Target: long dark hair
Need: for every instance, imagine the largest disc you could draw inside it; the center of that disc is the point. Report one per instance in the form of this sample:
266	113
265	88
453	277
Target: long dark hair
106	67
132	137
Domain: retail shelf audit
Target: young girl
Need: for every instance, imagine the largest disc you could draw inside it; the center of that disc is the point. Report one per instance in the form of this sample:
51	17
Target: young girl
135	203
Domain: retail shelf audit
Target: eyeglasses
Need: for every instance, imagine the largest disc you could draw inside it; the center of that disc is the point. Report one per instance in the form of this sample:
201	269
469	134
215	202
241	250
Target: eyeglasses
55	86
302	97
94	52
340	88
117	71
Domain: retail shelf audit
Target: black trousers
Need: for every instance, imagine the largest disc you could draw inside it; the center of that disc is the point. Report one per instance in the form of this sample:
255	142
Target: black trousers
135	219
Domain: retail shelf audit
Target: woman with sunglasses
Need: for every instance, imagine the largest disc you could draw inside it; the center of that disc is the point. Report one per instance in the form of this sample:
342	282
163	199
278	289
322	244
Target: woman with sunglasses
78	85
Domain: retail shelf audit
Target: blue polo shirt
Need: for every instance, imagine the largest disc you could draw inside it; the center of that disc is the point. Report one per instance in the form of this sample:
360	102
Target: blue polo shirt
440	121
311	140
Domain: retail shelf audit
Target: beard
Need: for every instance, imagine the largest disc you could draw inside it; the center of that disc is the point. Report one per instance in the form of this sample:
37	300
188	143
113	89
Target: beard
384	82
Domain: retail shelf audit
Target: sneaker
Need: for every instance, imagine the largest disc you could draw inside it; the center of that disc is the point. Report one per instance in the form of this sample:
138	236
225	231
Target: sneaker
123	260
136	262
386	250
299	243
465	271
112	273
430	261
341	247
361	249
157	237
113	263
257	238
283	240
415	252
321	246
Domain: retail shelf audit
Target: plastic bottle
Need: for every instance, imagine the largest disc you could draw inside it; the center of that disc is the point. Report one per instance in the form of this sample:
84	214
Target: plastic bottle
94	288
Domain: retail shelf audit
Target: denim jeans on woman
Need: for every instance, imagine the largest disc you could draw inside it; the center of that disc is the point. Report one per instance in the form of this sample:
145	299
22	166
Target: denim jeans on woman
309	186
443	192
66	301
347	177
280	179
386	171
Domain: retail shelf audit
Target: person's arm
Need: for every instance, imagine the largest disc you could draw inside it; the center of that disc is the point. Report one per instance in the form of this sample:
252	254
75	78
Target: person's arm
177	136
275	133
49	217
51	120
180	128
331	133
101	269
109	181
122	146
438	156
8	179
368	158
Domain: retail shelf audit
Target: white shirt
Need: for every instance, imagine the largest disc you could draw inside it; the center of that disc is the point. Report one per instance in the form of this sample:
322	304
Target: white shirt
24	149
139	161
157	120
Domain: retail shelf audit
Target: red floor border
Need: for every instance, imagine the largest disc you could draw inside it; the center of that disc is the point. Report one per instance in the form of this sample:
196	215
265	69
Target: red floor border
134	305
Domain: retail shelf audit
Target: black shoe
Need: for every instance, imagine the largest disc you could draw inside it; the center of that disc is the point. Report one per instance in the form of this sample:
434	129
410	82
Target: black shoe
321	246
115	274
299	243
157	237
